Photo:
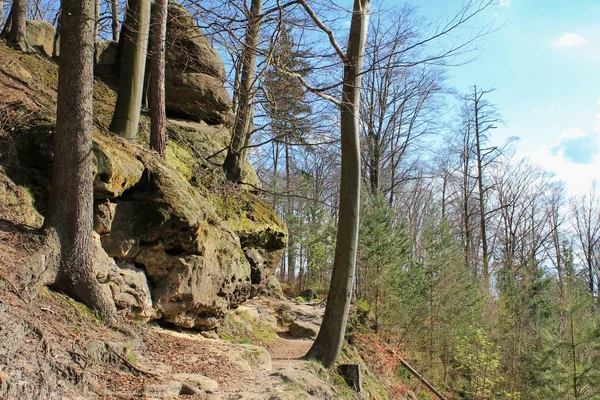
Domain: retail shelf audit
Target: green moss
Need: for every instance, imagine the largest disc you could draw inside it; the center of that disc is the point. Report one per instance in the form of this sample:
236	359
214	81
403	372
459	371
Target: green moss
255	221
84	310
131	357
17	203
180	158
243	327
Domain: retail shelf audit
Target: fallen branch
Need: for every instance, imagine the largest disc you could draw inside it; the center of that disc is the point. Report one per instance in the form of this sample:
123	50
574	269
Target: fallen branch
416	374
130	364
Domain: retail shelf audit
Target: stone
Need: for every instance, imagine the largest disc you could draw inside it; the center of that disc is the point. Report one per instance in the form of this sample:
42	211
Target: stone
352	375
106	53
273	287
40	35
303	330
116	170
131	291
104	212
187	48
308	295
306	381
127	285
198	381
197	96
168	390
195	73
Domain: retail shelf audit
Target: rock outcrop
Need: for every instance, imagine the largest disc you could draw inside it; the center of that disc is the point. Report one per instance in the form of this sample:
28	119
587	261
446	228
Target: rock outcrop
194	72
171	249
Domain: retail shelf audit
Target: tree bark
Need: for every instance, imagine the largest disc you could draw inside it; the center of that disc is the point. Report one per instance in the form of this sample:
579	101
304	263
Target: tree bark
328	344
158	113
126	117
17	36
115	20
71	203
1	12
245	103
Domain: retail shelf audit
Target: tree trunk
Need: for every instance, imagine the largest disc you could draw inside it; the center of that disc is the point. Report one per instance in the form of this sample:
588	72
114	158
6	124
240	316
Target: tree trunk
157	72
245	108
126	117
7	25
56	43
485	273
97	8
17	36
291	248
115	20
328	344
71	203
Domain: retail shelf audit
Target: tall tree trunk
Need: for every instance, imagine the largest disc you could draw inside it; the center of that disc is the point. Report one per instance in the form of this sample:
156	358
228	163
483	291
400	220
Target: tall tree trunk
245	107
157	71
126	117
291	249
17	36
71	203
328	344
115	20
97	8
485	273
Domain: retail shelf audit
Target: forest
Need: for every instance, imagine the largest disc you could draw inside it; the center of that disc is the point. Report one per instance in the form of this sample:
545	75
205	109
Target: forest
428	238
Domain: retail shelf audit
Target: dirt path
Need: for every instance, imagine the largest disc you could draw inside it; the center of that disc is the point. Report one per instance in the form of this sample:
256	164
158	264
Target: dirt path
242	371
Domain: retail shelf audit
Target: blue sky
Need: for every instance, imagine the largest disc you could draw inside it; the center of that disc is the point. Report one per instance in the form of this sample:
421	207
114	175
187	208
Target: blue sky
544	64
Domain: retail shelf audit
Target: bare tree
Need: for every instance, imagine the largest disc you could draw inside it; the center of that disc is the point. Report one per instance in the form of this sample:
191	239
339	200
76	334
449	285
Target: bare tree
586	213
115	19
71	203
328	344
244	121
157	71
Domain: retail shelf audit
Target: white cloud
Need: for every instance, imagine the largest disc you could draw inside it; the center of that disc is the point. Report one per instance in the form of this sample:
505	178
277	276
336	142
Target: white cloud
569	39
571	133
504	3
573	158
578	177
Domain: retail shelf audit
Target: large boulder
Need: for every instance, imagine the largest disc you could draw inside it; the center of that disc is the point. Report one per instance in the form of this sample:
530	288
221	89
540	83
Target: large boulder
106	53
194	72
197	96
187	48
41	35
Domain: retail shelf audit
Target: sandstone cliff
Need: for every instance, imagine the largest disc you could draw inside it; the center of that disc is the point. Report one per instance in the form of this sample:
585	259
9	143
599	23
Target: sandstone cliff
175	242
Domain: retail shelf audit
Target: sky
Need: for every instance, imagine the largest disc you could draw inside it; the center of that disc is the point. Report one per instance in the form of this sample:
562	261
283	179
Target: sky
544	64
